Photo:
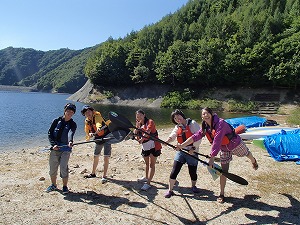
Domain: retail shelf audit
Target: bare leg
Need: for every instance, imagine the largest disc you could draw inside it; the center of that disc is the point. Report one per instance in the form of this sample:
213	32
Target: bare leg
225	168
65	181
194	183
147	161
250	156
151	168
171	184
53	180
105	165
95	164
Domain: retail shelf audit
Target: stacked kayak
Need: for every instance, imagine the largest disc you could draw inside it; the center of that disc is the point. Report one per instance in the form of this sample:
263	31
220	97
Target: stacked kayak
250	121
283	146
259	132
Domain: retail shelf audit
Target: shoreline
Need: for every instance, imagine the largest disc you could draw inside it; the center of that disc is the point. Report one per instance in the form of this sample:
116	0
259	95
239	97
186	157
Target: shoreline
271	190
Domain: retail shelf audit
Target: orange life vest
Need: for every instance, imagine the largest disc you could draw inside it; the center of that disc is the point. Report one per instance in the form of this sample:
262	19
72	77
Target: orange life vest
183	134
226	139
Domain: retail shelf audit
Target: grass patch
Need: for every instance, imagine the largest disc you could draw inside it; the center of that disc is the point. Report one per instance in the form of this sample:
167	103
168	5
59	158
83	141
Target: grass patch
294	117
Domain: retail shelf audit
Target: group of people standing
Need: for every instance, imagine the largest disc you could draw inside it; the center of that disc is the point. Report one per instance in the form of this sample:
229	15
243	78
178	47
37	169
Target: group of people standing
187	133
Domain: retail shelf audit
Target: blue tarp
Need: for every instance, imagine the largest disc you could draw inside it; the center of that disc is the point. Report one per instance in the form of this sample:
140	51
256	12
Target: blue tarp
284	146
250	121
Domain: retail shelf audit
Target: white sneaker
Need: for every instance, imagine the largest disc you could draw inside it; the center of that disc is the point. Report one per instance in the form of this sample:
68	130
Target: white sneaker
142	179
104	180
146	187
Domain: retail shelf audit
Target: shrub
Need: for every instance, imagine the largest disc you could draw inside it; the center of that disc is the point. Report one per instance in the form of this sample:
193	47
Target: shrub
241	106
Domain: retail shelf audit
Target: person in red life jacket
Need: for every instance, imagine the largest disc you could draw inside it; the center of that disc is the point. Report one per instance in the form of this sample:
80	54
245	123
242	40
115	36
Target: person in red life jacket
150	149
61	135
184	128
96	127
224	140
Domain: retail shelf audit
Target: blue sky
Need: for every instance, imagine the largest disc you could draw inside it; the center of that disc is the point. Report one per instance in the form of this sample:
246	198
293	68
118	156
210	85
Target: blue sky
76	24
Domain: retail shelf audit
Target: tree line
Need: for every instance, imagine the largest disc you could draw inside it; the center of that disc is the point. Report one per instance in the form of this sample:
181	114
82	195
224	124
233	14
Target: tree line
208	43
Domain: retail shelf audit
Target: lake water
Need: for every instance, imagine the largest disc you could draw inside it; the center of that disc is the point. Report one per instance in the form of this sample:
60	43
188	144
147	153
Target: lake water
26	117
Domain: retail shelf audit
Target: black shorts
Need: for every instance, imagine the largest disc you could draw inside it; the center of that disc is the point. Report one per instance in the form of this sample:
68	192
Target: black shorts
152	151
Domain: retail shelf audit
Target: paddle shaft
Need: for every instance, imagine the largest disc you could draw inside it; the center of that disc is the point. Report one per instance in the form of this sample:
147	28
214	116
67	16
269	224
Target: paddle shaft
79	143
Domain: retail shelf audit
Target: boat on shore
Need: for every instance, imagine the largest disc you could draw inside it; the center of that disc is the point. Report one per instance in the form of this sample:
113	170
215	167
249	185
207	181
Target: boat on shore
260	132
283	146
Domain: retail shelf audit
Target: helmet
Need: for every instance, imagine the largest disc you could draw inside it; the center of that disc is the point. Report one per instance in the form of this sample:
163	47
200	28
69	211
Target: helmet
70	106
86	107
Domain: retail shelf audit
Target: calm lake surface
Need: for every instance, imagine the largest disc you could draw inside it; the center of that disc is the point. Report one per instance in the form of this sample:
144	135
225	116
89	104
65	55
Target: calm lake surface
26	117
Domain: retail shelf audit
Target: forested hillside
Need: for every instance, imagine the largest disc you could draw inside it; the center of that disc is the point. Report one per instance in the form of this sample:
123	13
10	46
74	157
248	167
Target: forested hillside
208	43
57	70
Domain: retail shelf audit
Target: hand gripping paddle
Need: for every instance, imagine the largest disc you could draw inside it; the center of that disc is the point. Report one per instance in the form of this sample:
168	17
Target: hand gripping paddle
122	121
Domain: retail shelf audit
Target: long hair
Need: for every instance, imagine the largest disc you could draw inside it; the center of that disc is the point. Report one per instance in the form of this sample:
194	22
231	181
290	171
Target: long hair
142	112
177	112
204	124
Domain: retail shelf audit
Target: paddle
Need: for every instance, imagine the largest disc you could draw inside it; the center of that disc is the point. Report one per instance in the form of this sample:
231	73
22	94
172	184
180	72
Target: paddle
125	123
77	143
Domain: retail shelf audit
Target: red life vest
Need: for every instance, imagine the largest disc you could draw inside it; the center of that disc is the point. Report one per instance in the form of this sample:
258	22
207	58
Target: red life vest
183	134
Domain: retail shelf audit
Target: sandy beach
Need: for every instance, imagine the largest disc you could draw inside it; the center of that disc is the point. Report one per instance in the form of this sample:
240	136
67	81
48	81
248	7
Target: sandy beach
271	197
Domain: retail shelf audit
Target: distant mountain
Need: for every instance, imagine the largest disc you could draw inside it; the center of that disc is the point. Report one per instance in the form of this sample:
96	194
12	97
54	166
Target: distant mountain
56	70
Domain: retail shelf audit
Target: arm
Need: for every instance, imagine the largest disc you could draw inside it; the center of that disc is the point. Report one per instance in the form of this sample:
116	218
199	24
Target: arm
51	131
221	130
195	127
87	131
72	133
173	135
100	124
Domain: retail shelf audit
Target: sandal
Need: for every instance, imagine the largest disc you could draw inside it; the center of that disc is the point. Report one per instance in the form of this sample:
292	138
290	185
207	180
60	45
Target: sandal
255	165
221	199
92	175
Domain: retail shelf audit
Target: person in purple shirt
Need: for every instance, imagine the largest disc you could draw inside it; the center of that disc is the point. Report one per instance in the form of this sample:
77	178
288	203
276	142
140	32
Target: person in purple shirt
224	140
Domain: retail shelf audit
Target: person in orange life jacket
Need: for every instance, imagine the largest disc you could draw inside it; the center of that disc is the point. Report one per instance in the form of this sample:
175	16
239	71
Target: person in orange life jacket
150	149
61	135
97	127
184	128
223	140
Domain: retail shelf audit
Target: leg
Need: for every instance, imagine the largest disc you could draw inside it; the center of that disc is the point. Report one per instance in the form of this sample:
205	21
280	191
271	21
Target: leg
147	162
64	170
95	163
175	171
193	174
151	168
65	181
54	180
107	154
253	161
242	150
53	164
105	166
225	168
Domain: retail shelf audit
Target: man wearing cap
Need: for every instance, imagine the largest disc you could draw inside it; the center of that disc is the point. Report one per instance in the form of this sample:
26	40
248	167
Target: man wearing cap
96	127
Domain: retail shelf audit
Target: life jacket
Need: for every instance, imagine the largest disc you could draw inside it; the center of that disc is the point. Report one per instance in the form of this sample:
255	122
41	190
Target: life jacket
93	129
61	124
226	139
183	133
155	134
